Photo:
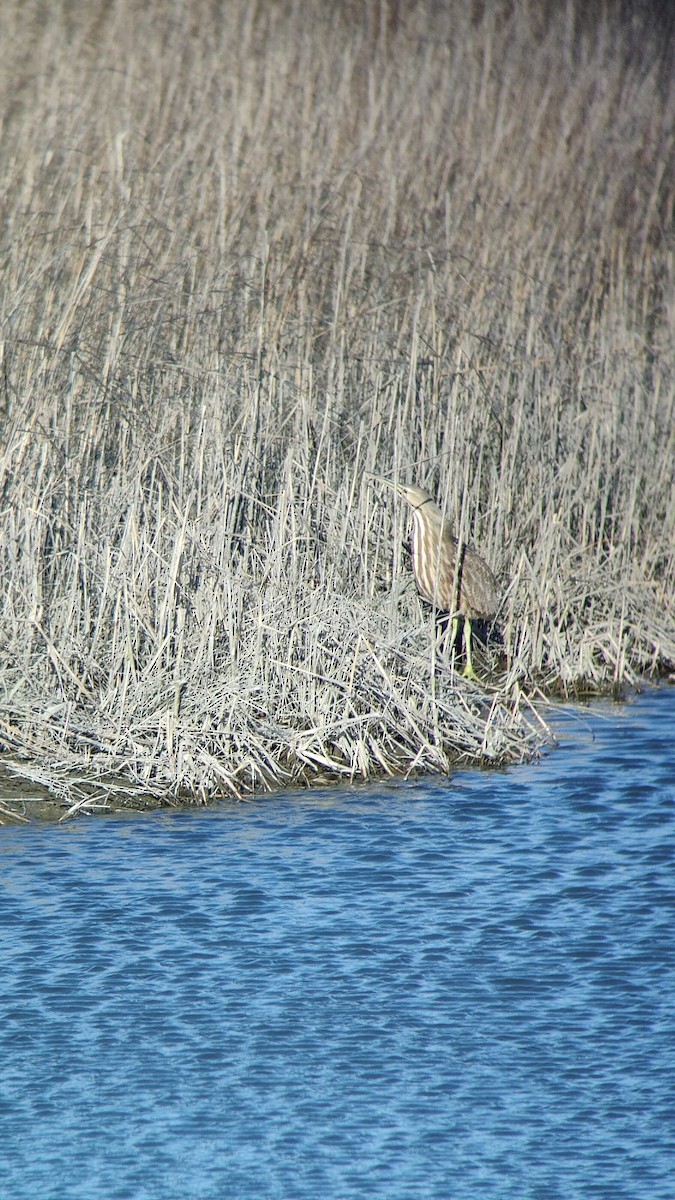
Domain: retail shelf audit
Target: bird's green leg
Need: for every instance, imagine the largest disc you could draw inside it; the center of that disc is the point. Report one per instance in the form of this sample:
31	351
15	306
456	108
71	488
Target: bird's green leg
468	671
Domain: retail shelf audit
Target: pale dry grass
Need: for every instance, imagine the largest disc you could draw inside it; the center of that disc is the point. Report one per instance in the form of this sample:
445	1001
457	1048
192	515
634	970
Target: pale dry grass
253	254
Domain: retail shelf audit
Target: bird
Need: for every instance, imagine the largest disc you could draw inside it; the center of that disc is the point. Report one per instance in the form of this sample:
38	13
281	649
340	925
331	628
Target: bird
450	574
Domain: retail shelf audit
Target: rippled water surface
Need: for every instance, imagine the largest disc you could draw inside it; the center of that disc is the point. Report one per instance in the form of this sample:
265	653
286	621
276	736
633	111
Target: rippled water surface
447	989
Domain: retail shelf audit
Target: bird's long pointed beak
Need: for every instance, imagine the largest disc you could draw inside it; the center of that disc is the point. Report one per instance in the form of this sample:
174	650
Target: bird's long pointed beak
387	482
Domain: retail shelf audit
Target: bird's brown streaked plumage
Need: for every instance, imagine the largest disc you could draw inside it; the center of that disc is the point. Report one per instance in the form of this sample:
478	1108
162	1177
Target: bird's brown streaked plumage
450	575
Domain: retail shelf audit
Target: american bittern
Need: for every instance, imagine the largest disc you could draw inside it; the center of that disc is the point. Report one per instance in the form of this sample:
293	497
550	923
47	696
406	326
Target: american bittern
449	574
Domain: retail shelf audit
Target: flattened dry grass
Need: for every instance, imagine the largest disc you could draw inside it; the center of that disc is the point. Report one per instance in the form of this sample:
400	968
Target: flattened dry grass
253	255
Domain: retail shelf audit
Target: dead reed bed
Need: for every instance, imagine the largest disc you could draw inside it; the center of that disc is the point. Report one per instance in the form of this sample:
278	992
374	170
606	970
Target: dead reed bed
254	254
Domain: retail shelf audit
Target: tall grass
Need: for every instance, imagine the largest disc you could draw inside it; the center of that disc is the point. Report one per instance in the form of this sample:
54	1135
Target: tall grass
253	254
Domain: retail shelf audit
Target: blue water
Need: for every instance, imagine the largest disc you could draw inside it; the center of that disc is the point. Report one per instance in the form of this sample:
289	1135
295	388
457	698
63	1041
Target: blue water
453	989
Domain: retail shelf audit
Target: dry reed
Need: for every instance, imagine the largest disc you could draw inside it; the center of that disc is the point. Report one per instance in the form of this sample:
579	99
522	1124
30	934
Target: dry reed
254	253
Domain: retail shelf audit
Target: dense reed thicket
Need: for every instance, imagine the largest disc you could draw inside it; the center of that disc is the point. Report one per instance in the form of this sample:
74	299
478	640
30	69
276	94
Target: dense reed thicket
253	253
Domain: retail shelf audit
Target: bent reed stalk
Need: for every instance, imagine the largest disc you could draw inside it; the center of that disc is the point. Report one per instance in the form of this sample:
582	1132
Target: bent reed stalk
253	256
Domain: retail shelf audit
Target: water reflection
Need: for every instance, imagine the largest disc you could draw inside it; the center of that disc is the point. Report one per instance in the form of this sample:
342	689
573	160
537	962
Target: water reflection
437	989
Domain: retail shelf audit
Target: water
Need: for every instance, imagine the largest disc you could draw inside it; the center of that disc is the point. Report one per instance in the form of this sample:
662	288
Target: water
458	989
